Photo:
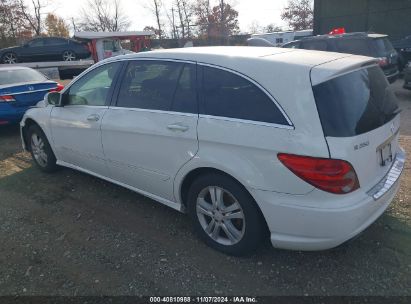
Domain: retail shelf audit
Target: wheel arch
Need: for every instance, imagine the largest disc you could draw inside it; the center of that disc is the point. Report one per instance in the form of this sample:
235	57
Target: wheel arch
191	176
28	122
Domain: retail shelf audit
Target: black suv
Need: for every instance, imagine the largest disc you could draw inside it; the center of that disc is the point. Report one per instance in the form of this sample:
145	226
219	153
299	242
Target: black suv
366	44
45	49
403	47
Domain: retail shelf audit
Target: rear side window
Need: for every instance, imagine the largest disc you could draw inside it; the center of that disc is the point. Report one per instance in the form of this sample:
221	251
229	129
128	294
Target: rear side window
36	42
159	85
382	47
319	45
55	41
229	95
355	103
353	46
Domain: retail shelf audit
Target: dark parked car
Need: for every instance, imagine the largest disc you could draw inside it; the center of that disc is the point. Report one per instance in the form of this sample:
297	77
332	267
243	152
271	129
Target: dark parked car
403	48
45	49
407	76
366	44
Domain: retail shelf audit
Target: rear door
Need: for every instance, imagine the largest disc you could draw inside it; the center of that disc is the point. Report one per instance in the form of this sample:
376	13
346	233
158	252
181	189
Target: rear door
151	131
360	119
55	48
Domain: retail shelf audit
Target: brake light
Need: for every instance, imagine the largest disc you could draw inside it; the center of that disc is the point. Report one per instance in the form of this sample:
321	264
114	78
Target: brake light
7	98
337	31
330	175
383	61
59	88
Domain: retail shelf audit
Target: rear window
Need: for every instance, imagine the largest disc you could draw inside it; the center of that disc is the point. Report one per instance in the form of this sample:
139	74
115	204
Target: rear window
20	76
382	47
353	46
355	103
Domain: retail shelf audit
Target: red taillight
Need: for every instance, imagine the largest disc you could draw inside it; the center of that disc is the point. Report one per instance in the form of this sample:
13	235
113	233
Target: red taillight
338	31
7	98
331	175
383	61
59	88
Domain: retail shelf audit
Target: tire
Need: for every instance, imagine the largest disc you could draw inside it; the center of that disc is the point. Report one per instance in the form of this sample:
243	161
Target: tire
69	56
246	233
9	58
40	150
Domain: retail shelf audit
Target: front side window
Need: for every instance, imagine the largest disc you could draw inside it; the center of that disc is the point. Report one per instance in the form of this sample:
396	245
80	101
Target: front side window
158	85
36	43
94	87
229	95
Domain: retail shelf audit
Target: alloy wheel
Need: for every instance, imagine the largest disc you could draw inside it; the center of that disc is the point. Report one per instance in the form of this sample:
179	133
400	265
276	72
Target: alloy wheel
38	149
10	58
220	215
69	56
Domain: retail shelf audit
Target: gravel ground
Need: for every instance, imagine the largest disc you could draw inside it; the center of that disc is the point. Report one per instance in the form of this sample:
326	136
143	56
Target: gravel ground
73	234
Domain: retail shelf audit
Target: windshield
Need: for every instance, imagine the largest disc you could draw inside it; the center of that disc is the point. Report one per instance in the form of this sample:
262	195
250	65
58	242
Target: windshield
20	76
355	103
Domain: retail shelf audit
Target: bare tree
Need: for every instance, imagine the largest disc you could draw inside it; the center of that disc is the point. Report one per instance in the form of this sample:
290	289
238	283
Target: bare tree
218	21
13	26
299	14
103	15
181	18
188	13
34	18
155	7
271	28
255	27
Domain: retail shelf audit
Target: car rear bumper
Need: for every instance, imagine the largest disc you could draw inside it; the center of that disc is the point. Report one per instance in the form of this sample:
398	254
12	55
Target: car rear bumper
297	227
12	117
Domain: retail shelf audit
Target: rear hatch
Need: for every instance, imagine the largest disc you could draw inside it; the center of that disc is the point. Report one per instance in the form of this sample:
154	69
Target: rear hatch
360	119
27	94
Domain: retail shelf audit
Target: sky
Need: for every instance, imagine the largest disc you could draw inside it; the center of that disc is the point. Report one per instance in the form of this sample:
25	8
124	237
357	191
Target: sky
262	11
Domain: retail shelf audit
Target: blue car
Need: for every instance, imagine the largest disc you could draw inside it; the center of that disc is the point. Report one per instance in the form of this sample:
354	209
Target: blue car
20	89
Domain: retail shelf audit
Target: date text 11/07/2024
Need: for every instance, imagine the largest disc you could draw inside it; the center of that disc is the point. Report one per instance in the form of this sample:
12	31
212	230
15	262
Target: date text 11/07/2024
239	299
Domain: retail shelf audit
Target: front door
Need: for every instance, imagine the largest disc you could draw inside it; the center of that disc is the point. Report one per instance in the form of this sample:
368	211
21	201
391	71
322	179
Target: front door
151	132
76	127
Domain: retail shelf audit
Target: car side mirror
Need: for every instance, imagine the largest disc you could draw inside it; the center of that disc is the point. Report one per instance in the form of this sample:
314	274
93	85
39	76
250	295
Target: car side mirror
54	99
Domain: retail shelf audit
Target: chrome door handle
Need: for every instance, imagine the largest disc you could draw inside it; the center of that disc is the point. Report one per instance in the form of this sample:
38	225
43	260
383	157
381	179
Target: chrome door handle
93	117
178	127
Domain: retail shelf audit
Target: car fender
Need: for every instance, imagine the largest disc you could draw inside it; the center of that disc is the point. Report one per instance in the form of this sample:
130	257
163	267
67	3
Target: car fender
40	116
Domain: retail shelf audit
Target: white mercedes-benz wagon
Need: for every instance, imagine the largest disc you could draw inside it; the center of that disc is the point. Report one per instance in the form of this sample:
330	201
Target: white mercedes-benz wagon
250	142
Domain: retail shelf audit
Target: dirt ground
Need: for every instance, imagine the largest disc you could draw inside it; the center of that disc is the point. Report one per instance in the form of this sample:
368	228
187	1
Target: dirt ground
73	234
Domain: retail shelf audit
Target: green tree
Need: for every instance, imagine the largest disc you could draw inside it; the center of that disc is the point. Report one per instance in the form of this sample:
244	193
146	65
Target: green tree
56	26
299	14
